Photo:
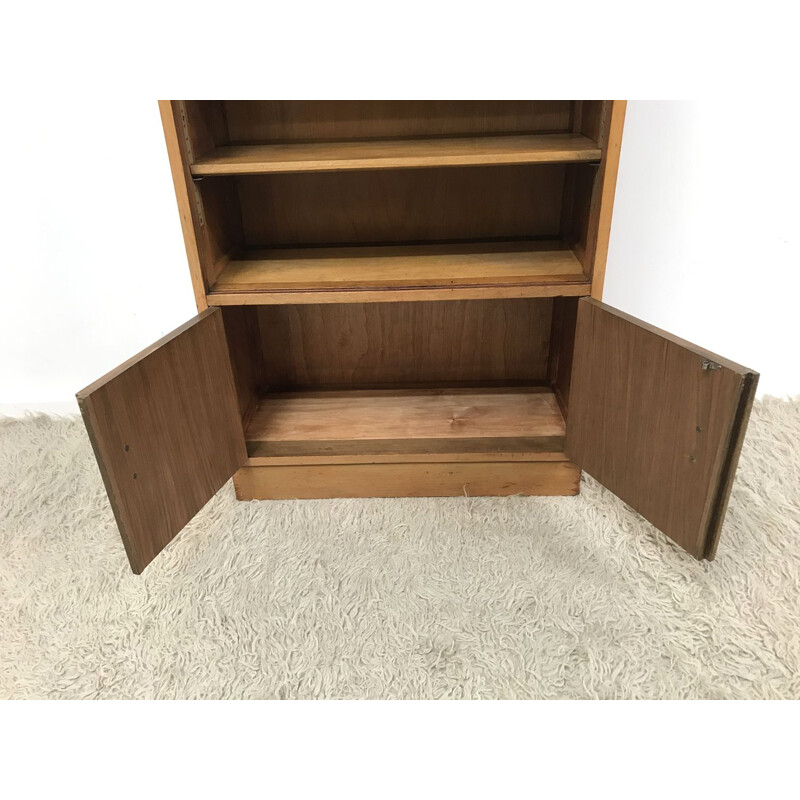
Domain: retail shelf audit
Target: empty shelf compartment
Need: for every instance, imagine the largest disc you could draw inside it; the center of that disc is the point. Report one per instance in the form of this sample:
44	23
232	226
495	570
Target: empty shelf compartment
519	423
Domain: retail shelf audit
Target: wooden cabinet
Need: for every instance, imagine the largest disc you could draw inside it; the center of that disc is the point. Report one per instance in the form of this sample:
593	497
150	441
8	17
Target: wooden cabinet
401	298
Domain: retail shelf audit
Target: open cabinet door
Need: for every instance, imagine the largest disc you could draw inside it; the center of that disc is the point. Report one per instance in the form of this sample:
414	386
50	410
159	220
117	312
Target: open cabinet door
657	421
166	431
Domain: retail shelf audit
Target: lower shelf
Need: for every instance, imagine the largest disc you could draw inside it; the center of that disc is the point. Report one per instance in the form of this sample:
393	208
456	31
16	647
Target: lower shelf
381	426
447	479
406	443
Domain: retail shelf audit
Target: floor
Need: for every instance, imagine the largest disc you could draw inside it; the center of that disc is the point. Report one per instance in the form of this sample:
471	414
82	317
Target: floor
414	598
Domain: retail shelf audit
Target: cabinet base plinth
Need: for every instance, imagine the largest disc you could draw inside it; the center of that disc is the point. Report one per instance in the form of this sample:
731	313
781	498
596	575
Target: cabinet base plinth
448	479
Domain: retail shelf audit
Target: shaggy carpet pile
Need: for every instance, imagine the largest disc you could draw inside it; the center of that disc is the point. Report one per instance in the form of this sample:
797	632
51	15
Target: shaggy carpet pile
412	598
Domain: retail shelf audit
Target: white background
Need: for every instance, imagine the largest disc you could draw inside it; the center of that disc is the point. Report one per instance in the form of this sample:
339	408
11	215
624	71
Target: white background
703	243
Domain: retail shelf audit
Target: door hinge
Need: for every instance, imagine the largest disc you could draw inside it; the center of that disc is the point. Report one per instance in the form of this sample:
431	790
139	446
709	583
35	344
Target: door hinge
710	365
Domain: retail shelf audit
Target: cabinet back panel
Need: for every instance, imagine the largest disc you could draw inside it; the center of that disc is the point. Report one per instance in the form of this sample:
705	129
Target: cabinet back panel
364	345
260	121
415	205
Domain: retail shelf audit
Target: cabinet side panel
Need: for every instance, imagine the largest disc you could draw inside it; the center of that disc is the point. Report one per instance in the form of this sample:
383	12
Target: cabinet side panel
210	215
589	199
600	223
185	195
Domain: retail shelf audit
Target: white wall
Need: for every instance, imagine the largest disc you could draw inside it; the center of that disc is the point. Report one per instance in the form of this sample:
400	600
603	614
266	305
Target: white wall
704	236
94	267
703	242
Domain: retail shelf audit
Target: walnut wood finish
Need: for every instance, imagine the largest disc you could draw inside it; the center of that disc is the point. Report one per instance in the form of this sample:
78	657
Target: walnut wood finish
396	154
370	201
244	348
211	221
364	345
399	206
319	225
406	414
655	427
493	212
589	189
365	268
498	291
457	479
395	451
407	424
166	432
179	161
261	121
599	224
562	346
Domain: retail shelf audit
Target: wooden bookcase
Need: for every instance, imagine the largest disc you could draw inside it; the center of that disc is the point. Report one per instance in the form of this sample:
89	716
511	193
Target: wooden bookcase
401	298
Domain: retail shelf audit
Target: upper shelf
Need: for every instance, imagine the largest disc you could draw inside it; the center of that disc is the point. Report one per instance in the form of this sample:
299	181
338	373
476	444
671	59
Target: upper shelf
397	154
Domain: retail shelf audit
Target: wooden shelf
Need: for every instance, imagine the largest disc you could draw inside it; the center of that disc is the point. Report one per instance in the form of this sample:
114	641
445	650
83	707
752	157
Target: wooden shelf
530	269
380	426
397	154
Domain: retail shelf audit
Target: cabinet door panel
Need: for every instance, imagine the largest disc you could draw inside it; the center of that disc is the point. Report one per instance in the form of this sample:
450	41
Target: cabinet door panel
166	431
657	421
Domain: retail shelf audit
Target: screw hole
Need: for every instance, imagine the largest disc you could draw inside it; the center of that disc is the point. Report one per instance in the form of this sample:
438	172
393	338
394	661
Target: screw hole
134	475
692	459
127	447
698	429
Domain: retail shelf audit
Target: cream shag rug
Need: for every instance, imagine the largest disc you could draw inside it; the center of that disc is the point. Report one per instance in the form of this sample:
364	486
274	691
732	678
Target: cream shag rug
414	598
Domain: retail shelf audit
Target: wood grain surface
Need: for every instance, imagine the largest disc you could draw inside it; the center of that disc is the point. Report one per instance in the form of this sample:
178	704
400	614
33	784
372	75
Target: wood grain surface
603	196
363	268
197	251
401	206
522	423
360	196
495	291
260	121
408	480
406	414
396	154
369	345
562	348
166	431
390	451
655	427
